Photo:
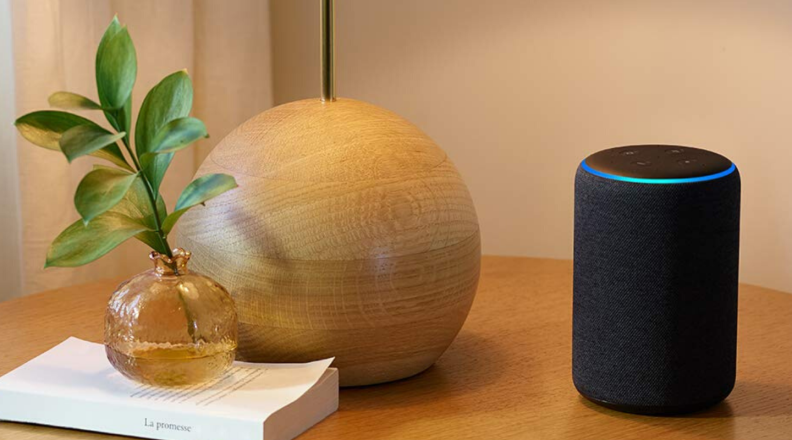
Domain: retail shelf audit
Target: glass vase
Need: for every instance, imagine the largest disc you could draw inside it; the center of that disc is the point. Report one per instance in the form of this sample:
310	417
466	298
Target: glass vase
169	326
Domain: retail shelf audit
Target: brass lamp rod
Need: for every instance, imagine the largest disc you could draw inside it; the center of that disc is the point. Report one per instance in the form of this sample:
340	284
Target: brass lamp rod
328	50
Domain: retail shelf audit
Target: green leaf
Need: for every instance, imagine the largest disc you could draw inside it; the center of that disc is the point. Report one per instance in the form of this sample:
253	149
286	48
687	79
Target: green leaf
112	29
86	139
136	204
151	239
170	99
124	116
81	244
116	66
178	134
100	190
197	192
45	128
120	118
68	100
111	114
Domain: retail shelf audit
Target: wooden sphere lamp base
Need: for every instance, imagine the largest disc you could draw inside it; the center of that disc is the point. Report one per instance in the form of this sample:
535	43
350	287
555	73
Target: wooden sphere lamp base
351	235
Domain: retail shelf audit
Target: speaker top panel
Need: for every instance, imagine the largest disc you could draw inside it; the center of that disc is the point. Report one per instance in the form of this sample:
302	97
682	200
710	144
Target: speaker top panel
663	163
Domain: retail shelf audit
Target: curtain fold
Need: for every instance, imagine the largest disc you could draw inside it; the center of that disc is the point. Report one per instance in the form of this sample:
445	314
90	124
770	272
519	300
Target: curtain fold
10	218
54	44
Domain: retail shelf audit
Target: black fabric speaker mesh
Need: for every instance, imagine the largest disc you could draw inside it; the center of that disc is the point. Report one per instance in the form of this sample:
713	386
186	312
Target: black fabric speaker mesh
655	291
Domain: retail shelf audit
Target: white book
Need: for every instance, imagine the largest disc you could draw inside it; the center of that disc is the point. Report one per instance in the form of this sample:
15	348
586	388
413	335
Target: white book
74	386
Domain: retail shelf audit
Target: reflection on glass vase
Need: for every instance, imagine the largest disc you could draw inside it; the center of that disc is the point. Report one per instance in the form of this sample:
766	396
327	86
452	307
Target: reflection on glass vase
168	326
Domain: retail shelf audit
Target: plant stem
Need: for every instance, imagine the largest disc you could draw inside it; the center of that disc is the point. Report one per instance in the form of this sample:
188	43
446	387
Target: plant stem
161	235
191	325
152	199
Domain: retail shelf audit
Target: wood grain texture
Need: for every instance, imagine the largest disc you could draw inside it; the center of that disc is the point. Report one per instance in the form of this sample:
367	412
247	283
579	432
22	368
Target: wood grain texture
351	235
506	376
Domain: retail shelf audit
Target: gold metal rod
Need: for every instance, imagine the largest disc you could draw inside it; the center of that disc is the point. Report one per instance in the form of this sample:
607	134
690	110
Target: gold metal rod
328	50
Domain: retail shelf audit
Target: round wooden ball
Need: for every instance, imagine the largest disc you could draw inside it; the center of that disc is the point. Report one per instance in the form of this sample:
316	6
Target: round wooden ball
351	235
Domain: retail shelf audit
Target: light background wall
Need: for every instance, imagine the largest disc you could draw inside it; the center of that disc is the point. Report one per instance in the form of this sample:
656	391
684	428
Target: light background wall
518	92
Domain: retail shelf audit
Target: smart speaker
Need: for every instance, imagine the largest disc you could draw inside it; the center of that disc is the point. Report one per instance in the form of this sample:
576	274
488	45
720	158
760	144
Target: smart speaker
657	231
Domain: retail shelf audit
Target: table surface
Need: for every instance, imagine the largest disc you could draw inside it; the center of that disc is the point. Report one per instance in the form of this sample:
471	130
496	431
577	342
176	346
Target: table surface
507	375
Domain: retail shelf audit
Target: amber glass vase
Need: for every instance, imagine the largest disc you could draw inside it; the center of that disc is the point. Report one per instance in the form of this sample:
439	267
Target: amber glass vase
171	327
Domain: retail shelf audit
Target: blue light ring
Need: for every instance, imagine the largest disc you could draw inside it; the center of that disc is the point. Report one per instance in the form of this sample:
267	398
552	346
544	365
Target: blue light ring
731	169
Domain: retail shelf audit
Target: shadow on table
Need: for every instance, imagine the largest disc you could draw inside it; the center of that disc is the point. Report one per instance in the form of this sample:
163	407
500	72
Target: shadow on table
770	402
466	367
716	422
759	399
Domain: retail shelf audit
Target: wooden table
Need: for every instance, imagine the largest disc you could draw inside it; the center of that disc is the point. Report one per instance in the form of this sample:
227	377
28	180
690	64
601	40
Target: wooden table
507	375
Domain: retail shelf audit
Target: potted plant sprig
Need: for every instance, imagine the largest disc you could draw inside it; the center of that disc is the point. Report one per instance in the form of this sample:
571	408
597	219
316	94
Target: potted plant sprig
166	326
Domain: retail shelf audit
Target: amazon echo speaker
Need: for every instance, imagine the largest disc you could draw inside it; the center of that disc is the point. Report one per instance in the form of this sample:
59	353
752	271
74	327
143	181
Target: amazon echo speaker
657	234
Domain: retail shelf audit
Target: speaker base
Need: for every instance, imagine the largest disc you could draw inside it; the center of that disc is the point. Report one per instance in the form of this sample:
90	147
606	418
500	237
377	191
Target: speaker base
655	410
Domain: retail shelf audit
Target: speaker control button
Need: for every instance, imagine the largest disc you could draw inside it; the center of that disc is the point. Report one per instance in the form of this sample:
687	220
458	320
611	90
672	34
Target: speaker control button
628	153
674	151
642	163
687	161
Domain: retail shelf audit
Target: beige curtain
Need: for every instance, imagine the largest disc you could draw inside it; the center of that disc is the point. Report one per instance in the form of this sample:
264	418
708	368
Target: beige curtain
224	45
